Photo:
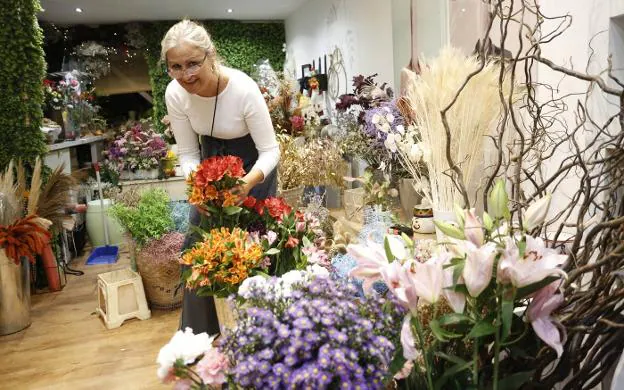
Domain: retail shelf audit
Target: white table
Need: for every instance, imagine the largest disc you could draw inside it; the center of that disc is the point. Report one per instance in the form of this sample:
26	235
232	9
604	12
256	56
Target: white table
61	153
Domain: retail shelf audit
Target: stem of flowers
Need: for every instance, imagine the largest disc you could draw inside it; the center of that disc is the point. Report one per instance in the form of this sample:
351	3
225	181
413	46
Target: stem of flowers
196	379
425	352
475	362
497	341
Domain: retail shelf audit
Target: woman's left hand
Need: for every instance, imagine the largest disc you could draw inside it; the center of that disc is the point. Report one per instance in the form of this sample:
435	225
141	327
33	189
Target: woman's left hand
242	191
250	180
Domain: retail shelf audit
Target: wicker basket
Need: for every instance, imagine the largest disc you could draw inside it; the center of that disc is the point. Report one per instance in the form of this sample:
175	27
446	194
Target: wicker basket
293	196
354	204
161	280
227	319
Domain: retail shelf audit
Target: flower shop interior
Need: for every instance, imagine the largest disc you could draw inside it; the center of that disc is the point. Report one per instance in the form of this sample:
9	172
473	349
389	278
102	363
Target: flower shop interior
392	254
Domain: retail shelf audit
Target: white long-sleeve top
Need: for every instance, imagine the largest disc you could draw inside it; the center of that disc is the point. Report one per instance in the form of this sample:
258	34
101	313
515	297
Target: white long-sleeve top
241	110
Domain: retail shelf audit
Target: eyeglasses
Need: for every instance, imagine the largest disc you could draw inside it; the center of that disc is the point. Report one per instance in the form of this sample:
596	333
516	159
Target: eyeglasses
192	69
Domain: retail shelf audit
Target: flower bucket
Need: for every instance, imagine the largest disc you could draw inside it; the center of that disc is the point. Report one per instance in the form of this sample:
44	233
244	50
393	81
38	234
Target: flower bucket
168	164
14	295
225	314
293	196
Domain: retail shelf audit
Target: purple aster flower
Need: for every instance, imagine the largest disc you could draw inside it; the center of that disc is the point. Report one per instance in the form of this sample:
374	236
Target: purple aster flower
303	323
324	337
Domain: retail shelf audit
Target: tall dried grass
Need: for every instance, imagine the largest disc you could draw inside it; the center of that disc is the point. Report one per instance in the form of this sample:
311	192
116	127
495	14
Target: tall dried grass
470	120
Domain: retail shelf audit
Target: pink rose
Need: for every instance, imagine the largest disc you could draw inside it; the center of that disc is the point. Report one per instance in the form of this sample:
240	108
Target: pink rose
300	226
212	367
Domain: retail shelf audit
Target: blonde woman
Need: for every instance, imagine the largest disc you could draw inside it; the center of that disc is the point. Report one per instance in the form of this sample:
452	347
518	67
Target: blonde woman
215	110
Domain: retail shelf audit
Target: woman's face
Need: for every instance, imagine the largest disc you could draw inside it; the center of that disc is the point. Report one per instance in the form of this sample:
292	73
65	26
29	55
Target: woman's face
189	65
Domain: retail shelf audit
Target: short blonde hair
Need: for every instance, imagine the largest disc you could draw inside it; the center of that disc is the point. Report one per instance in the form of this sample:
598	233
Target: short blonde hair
190	32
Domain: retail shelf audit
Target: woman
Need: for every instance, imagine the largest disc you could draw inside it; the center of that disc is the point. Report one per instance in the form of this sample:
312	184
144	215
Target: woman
215	110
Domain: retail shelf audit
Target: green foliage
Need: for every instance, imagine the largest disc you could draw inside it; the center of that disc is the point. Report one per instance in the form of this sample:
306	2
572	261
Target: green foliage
148	220
240	45
22	66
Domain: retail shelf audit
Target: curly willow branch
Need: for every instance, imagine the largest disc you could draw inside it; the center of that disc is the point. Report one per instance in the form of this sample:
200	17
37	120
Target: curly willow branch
587	180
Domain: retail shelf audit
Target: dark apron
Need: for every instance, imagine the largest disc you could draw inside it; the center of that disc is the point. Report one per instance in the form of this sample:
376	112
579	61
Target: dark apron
199	313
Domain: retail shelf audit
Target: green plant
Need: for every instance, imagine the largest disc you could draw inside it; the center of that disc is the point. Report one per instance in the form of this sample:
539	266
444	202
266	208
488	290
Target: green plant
240	45
150	219
23	69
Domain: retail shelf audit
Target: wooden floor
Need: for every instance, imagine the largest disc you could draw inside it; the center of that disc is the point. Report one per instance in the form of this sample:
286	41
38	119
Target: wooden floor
68	347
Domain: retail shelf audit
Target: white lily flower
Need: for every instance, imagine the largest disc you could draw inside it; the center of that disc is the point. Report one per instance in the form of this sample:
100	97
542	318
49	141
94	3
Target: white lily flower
536	213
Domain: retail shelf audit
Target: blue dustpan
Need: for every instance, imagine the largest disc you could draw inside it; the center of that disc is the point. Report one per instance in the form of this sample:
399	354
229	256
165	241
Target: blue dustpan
103	254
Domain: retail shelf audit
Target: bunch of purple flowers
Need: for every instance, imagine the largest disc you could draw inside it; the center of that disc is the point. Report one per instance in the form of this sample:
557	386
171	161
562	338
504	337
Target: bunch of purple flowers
311	332
137	147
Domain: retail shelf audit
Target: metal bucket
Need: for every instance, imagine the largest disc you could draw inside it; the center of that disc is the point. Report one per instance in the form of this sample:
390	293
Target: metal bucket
14	295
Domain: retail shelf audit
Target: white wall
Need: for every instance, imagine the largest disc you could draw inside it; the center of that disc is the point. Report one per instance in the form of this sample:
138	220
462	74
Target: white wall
401	37
592	23
362	29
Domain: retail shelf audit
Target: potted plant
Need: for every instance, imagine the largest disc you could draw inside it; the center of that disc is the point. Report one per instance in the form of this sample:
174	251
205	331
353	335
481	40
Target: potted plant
136	152
149	223
27	212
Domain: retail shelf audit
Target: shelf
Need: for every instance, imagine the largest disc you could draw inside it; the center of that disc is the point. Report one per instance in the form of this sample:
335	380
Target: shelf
80	141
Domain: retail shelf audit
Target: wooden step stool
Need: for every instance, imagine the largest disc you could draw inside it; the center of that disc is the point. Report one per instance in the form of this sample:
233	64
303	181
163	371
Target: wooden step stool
121	297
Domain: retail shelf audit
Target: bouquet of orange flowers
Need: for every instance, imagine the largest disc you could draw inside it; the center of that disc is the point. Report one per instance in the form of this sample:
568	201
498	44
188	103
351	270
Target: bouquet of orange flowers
222	260
212	187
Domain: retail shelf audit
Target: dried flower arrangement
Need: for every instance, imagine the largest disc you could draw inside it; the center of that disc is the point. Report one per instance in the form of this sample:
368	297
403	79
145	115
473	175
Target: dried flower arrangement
316	162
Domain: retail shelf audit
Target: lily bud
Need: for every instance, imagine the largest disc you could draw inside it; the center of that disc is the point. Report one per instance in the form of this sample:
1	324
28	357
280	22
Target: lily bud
473	230
498	202
536	213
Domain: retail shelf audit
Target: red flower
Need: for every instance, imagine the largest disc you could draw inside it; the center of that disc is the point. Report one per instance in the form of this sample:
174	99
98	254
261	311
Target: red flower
249	202
214	168
277	207
233	166
260	207
299	216
292	242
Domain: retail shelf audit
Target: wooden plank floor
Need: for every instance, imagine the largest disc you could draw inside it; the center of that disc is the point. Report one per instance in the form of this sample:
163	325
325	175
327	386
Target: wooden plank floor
68	347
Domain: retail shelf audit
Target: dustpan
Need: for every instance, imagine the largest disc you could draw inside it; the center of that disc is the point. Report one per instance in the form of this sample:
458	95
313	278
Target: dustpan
107	254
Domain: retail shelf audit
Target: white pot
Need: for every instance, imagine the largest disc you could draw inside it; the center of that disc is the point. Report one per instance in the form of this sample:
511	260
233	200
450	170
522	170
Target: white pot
423	225
443	216
125	175
152	174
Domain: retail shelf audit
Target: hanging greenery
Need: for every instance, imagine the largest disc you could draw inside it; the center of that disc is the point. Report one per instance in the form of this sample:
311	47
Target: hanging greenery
240	45
22	72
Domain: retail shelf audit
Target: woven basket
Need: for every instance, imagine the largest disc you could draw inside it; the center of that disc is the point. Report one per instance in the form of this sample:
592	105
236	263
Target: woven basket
293	196
161	280
225	314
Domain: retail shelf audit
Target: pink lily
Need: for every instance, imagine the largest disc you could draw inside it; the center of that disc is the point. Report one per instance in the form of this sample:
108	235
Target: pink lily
539	312
478	267
394	277
407	340
370	260
300	227
424	279
473	229
538	263
456	300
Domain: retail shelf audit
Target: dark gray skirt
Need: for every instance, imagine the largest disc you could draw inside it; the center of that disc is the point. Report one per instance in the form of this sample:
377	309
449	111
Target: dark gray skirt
199	313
